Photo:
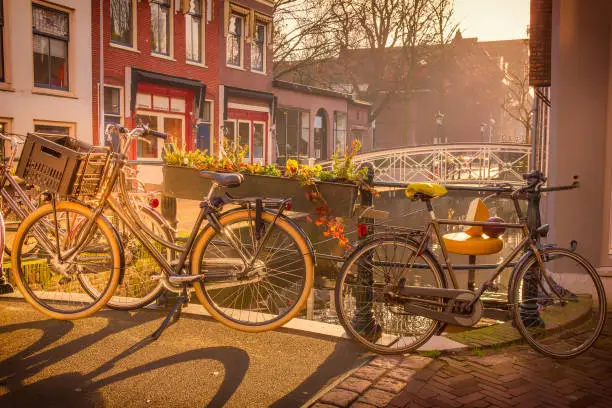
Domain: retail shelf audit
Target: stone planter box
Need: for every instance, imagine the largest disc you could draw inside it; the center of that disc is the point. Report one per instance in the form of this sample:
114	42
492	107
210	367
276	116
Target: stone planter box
186	183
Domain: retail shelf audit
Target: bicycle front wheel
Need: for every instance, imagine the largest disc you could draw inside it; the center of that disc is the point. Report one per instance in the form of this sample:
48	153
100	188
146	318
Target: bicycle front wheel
267	289
365	304
560	310
53	282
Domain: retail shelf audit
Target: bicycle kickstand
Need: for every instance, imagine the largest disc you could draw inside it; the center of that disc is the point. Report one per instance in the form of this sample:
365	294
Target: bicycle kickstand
174	314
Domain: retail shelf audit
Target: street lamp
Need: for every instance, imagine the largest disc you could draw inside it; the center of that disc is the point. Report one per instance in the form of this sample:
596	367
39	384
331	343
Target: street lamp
483	127
439	130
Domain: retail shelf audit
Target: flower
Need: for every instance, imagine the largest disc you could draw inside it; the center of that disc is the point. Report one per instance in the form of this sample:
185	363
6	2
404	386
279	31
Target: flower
292	167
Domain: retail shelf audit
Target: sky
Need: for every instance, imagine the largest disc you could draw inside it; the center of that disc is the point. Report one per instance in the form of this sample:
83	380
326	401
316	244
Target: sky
492	20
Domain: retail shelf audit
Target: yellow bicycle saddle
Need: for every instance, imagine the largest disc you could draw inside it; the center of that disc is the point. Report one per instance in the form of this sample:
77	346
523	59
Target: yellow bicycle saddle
431	190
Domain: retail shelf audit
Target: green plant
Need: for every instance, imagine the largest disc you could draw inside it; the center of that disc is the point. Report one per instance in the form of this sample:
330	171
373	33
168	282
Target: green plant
431	353
478	352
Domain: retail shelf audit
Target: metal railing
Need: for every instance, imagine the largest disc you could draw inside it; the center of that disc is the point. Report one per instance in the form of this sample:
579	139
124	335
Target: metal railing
468	163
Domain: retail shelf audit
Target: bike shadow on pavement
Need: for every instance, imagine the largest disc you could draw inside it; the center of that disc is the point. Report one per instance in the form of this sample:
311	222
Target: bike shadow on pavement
74	389
347	355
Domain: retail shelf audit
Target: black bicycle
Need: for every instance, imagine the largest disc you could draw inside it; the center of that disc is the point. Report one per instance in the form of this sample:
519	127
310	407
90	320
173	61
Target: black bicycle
392	295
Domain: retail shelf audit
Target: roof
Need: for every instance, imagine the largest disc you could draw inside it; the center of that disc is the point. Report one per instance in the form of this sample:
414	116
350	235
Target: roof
293	86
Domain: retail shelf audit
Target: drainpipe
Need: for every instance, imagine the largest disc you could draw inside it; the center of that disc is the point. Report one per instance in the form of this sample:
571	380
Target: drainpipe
101	82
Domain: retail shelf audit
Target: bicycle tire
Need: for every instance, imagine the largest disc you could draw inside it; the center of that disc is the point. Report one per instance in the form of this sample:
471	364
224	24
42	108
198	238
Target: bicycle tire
231	316
128	296
368	324
558	328
111	267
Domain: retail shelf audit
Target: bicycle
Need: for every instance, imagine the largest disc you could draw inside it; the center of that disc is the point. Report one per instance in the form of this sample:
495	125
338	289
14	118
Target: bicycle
392	295
136	289
251	267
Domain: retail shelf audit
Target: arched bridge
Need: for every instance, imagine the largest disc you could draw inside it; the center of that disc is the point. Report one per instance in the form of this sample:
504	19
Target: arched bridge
465	163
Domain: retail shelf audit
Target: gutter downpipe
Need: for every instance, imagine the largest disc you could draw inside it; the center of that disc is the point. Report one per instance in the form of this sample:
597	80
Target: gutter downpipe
101	81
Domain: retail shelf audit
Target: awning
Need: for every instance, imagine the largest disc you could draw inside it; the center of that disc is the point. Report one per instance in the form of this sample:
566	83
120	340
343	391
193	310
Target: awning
247	93
140	75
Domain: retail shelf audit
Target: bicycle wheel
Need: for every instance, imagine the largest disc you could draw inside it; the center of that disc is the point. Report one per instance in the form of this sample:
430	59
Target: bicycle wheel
562	324
367	312
137	288
55	287
267	294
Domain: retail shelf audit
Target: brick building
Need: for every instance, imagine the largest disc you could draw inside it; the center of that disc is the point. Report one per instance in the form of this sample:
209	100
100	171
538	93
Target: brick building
45	67
456	92
195	69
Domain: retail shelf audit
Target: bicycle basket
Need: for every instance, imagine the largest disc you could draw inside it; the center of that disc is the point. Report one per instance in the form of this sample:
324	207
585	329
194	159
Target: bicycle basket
64	165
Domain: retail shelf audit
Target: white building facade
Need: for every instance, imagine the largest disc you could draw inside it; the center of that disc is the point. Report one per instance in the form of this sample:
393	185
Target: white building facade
46	67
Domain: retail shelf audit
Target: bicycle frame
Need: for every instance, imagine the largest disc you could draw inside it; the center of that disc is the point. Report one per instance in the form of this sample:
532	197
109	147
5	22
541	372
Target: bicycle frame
530	241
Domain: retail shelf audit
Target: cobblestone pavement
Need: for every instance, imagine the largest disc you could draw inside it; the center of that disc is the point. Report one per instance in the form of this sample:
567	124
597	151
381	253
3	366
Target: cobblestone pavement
515	376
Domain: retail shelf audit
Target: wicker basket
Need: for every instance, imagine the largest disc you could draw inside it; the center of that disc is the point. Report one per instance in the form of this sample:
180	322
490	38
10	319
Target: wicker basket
64	165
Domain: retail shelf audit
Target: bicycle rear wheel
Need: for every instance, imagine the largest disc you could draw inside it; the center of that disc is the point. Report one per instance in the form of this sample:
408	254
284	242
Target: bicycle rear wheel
54	286
562	324
263	296
137	288
375	269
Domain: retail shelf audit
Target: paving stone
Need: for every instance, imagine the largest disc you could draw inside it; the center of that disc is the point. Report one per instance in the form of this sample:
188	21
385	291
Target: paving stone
357	385
362	405
321	405
339	397
378	398
386	361
415	362
402	374
467	399
369	372
390	384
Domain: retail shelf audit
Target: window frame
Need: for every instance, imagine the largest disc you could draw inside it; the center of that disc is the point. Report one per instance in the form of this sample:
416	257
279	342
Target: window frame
235	126
71	126
66	39
134	40
169	4
240	42
264	41
337	115
249	138
201	38
263	149
121	109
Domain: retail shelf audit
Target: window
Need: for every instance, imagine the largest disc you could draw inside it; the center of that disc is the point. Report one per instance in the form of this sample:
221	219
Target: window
202	129
292	133
51	36
229	132
193	34
234	40
258	50
244	136
339	131
112	105
54	128
258	141
160	26
1	41
122	22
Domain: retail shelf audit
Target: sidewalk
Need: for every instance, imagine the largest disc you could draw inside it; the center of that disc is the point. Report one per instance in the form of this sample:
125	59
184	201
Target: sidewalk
496	377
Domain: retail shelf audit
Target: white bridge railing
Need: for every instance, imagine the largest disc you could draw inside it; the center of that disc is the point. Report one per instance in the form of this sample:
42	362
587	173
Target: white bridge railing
467	163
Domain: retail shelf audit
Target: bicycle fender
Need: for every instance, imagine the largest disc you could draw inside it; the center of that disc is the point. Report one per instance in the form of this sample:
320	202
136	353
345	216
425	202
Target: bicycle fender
519	265
311	250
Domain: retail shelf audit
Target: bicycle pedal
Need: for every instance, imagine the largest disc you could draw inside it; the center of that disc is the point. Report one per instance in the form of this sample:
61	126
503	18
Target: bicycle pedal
185	279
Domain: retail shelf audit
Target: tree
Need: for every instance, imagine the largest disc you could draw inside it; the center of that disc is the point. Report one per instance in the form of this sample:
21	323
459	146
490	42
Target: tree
303	35
518	103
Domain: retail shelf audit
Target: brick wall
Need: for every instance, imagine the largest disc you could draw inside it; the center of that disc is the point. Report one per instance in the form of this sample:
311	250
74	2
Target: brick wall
115	59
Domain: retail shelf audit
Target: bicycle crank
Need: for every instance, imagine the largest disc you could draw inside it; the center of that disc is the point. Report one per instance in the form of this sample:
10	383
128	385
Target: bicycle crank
454	302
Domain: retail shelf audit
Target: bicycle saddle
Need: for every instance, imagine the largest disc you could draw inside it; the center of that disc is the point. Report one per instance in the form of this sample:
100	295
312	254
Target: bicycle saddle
223	179
429	190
